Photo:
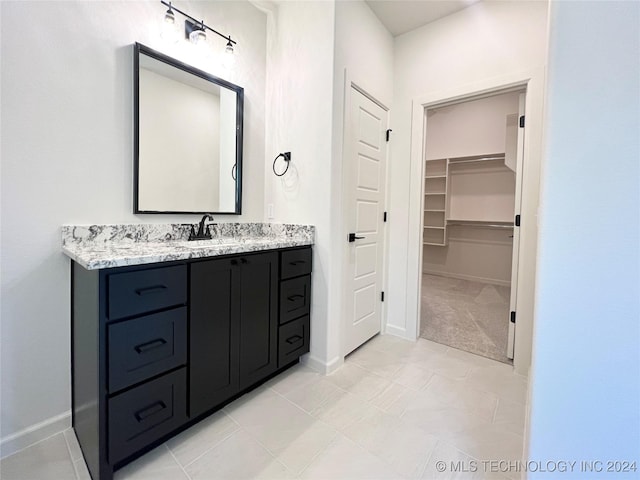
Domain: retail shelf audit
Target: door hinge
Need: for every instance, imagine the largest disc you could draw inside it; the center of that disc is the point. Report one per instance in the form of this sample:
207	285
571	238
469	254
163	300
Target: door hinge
384	217
382	296
388	133
521	121
513	317
517	221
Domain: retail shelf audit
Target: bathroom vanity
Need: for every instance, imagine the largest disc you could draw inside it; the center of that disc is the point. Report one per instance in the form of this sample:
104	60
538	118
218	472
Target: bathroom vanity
165	332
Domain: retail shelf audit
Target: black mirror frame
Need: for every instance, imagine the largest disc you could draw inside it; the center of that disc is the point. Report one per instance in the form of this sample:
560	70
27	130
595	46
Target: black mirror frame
142	49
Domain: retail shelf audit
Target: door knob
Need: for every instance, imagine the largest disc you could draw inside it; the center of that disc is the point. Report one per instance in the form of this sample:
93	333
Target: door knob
353	237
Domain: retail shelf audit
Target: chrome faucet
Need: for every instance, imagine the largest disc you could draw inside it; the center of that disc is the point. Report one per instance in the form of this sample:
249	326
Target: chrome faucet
204	233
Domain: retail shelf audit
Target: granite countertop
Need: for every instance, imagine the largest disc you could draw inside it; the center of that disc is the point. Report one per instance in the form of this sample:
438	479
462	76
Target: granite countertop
107	246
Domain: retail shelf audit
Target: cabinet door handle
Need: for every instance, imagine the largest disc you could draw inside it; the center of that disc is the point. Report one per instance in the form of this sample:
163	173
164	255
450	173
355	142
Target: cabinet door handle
234	262
150	410
244	261
294	339
297	262
291	298
153	344
150	290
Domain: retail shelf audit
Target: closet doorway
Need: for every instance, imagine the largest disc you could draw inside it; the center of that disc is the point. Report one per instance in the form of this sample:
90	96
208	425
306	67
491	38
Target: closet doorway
472	192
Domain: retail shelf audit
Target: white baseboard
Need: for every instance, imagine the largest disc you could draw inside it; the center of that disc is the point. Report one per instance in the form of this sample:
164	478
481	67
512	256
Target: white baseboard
35	433
320	366
472	278
398	332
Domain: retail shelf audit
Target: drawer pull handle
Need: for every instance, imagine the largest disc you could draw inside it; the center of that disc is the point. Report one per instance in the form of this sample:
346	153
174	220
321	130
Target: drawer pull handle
150	290
150	410
234	262
153	344
244	261
292	298
297	262
294	339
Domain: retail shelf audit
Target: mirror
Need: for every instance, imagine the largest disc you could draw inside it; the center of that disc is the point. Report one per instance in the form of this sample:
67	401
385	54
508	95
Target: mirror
188	138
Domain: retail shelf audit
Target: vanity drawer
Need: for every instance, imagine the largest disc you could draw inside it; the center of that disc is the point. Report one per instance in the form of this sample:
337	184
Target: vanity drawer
293	340
294	263
146	413
146	346
143	291
295	298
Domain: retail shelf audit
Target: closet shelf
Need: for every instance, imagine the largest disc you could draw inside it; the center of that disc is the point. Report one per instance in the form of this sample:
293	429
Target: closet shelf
434	227
436	244
435	176
441	210
477	158
435	193
479	223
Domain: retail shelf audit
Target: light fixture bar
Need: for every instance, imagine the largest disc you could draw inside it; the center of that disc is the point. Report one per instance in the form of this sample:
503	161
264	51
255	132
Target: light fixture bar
198	22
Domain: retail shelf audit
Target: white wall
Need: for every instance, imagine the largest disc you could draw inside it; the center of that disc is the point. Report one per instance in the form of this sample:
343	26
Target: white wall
586	368
309	47
477	127
477	49
299	106
67	157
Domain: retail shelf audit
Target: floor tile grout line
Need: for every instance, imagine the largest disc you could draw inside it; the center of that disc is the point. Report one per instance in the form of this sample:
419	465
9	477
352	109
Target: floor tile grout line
267	449
37	442
75	468
333	440
175	459
226	437
66	441
426	464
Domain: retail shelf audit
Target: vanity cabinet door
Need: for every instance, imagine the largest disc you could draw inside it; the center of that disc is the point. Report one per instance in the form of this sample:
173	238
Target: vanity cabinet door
233	327
258	317
213	334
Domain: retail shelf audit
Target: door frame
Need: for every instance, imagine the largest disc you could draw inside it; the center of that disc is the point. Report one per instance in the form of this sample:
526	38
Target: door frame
350	84
532	81
517	200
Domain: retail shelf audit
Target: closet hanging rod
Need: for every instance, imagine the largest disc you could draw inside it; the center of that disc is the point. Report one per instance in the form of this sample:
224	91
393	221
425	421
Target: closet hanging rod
481	225
474	160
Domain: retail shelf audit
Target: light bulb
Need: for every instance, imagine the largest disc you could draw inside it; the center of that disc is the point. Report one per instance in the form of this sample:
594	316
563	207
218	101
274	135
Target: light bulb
229	49
169	17
197	36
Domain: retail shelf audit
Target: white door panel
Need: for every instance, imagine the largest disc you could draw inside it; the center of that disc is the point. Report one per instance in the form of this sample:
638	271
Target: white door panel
365	159
368	173
369	123
366	260
364	303
367	213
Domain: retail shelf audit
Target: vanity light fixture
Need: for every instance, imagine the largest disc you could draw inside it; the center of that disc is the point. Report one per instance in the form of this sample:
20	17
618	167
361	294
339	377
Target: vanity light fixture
195	30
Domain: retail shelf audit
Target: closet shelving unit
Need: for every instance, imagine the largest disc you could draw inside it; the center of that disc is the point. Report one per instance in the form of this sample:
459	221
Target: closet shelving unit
437	202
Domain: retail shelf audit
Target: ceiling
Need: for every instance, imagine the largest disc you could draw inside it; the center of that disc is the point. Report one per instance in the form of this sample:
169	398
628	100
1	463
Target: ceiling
401	16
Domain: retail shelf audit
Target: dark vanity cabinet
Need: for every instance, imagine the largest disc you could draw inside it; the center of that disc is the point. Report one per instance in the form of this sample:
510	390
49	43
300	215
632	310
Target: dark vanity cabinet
157	347
233	323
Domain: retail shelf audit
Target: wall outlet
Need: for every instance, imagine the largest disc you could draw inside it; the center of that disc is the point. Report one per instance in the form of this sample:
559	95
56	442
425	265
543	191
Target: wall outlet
270	211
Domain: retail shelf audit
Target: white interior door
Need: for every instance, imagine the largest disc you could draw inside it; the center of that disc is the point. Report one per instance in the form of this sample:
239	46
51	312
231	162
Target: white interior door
516	232
366	158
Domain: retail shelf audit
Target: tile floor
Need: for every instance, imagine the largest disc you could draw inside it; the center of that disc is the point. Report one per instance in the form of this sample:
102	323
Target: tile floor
393	411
